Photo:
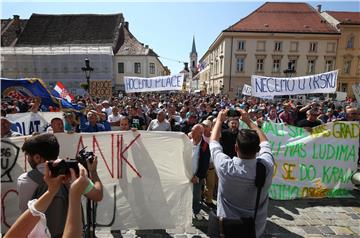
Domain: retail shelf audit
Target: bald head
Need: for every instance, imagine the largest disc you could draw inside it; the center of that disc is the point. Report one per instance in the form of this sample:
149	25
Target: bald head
197	132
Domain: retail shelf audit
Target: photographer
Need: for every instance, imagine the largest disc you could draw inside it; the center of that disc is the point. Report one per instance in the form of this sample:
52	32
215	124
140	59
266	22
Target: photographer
39	149
31	222
237	191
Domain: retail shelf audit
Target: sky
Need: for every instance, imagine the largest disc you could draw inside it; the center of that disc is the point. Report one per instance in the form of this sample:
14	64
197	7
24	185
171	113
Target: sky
167	27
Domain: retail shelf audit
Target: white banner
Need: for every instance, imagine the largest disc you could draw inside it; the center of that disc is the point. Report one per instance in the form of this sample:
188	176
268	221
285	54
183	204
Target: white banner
317	164
146	177
28	122
247	91
318	83
356	90
162	83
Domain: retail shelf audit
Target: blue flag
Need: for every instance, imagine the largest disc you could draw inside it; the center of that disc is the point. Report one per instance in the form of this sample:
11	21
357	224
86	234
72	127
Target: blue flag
34	88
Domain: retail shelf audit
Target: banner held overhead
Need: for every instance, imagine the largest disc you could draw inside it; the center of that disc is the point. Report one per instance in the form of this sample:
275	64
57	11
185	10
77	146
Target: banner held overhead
318	83
162	83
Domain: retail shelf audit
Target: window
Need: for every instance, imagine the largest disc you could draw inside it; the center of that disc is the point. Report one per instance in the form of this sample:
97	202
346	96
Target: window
260	46
121	68
350	43
330	47
260	65
276	65
277	46
240	64
343	87
137	68
193	64
221	65
347	66
311	66
313	47
294	46
329	65
152	68
241	45
292	64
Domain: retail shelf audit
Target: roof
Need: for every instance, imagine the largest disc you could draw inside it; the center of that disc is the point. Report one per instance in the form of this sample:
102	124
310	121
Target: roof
132	46
44	29
10	30
284	17
345	17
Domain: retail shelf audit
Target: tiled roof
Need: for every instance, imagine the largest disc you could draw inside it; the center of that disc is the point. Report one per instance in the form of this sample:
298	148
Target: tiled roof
346	17
132	46
284	17
10	30
43	29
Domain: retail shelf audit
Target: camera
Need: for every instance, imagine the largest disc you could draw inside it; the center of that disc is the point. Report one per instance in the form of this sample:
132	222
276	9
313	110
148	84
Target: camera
233	113
64	166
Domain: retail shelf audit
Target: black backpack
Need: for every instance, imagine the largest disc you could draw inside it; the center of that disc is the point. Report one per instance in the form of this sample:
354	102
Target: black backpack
57	211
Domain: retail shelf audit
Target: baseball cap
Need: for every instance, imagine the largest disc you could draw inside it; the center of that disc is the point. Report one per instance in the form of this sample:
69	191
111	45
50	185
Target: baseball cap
105	101
207	123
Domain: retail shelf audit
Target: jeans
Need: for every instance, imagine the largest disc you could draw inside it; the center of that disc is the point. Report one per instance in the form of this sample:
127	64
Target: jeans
196	206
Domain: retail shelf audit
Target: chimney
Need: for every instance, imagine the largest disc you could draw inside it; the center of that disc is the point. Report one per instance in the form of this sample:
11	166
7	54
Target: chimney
126	24
146	46
17	24
318	8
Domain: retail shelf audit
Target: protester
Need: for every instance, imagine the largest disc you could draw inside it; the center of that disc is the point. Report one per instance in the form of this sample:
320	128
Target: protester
6	131
114	117
200	163
160	123
91	124
310	121
57	125
236	194
228	136
135	120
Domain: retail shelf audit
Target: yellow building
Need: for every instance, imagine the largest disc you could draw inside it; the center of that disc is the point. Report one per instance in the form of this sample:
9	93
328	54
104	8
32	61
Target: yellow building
275	37
348	51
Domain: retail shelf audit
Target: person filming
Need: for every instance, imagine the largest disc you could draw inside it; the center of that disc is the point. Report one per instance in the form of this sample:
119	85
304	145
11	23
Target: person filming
237	192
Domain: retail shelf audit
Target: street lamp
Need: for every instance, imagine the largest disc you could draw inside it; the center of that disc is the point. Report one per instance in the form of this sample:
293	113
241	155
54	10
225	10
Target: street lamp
87	71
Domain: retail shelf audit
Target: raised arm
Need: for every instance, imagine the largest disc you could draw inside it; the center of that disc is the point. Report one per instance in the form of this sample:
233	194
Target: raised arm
246	118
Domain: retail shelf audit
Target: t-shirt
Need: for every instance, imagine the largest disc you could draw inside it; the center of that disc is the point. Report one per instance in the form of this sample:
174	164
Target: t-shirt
136	122
306	123
113	118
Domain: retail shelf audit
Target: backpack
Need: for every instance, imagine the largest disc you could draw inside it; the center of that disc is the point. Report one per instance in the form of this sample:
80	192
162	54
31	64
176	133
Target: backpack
57	211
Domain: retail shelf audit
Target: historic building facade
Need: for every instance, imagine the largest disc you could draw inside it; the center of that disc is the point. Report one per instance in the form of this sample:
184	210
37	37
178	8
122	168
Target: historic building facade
53	48
275	37
348	50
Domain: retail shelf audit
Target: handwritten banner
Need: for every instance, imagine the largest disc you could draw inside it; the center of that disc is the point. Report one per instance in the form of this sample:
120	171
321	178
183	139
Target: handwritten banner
317	164
146	177
101	88
28	122
163	83
318	83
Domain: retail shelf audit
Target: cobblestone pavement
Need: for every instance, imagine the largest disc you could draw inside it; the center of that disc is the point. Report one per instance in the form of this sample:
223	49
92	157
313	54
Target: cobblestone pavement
297	218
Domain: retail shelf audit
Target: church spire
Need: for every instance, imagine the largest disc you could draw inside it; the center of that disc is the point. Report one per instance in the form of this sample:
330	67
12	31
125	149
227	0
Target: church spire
193	46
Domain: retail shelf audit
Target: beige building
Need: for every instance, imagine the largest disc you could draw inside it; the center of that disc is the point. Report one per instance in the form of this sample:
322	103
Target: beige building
275	37
136	59
348	51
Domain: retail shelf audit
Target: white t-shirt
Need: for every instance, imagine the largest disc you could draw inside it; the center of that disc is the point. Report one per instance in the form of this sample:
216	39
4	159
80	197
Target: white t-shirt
113	118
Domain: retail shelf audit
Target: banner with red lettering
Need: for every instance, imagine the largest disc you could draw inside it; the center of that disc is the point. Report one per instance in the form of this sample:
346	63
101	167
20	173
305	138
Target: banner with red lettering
146	177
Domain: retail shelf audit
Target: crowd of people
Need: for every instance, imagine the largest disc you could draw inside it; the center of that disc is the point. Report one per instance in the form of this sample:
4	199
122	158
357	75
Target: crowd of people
209	121
179	112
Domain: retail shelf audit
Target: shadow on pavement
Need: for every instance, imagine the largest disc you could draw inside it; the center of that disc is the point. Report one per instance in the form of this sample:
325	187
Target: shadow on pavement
274	230
279	208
